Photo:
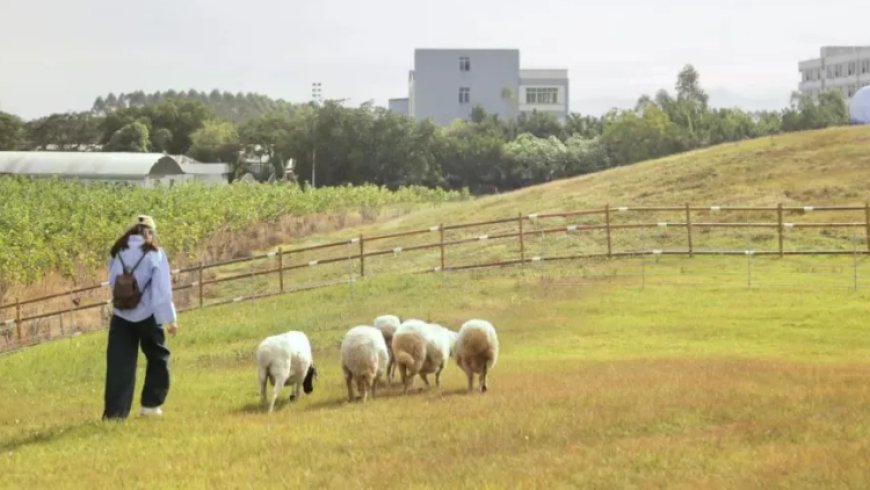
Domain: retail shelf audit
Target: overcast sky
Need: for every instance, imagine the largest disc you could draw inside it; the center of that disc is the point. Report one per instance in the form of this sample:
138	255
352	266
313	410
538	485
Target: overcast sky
59	55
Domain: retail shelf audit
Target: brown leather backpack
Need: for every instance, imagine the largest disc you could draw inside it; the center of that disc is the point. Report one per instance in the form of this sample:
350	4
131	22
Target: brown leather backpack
126	294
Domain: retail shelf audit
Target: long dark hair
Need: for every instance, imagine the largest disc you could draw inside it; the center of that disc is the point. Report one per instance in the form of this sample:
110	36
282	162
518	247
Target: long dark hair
121	243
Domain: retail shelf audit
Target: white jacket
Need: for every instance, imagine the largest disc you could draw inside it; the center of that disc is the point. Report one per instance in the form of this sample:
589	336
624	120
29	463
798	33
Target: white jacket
154	279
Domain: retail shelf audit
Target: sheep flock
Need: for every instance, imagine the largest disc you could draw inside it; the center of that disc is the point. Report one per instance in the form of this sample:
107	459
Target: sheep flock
373	355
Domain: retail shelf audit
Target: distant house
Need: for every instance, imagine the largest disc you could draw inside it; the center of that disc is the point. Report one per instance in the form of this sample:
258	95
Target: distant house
140	169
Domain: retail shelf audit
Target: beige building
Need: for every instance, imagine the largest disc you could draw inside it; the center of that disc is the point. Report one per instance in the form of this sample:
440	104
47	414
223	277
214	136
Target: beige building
845	68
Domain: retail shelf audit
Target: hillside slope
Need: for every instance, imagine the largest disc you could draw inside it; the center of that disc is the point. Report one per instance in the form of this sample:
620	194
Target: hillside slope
830	166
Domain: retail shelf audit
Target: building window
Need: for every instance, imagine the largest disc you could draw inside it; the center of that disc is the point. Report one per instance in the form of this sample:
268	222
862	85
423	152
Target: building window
838	71
464	63
865	66
542	95
464	95
851	68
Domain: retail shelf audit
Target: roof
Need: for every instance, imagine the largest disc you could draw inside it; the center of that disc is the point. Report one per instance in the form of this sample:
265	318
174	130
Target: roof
99	164
205	168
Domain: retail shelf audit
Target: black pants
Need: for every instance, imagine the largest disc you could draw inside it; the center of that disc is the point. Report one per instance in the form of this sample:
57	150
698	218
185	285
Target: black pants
121	357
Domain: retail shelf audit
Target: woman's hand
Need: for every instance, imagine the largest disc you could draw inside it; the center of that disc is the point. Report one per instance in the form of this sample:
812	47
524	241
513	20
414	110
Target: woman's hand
172	328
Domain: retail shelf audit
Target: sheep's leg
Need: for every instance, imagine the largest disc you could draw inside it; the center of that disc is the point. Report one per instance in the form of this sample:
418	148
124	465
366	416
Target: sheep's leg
425	378
375	385
438	375
483	387
279	383
295	395
470	374
348	379
362	384
262	379
391	370
403	372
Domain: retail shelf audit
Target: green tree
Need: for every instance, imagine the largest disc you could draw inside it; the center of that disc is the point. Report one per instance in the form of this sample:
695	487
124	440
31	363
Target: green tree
133	137
533	160
72	131
216	141
11	132
540	124
631	136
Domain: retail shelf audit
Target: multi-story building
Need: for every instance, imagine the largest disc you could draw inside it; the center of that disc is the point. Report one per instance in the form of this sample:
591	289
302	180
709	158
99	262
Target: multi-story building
846	68
446	84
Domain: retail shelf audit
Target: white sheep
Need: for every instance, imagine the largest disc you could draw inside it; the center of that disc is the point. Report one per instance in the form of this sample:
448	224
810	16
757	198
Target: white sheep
285	359
388	324
421	348
363	359
476	351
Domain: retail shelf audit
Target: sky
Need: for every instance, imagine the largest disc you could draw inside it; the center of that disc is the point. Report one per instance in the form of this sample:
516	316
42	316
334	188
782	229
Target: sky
57	56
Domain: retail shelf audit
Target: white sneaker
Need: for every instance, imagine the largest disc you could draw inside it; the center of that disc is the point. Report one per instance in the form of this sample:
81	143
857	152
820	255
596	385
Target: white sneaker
151	412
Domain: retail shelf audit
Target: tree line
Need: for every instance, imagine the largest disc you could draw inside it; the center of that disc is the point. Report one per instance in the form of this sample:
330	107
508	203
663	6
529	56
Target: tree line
368	144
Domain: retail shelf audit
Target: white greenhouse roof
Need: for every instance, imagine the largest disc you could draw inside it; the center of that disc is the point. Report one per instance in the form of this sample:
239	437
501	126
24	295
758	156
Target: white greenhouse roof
100	164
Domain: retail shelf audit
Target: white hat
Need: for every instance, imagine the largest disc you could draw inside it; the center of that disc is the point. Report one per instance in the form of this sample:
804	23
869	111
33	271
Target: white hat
144	219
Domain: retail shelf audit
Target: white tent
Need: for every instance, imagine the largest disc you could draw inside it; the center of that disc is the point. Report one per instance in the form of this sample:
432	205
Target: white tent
859	109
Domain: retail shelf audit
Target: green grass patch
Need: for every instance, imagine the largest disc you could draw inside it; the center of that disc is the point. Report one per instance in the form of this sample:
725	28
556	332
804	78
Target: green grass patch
602	382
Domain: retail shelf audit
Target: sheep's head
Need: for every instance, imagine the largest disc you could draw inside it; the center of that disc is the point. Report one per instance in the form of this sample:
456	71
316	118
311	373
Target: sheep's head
308	382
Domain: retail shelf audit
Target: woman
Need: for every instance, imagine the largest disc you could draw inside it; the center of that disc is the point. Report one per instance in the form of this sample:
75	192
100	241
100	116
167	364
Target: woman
139	322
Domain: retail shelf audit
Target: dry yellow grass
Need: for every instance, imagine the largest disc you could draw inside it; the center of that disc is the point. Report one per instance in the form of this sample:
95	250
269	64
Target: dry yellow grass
597	386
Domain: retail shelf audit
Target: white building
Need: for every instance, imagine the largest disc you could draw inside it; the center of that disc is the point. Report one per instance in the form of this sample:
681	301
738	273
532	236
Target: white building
446	84
141	169
845	68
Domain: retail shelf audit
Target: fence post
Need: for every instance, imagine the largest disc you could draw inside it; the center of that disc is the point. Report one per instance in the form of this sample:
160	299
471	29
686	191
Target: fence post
689	229
867	223
779	220
201	281
607	224
441	233
522	240
280	269
18	318
362	256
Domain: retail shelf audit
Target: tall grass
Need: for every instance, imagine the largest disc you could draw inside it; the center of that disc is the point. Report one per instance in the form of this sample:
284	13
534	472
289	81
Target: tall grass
55	225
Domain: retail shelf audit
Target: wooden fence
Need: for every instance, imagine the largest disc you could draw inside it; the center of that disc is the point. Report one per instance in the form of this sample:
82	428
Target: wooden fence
356	252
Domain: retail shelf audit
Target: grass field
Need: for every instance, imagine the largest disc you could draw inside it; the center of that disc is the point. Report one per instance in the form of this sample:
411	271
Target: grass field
671	372
599	385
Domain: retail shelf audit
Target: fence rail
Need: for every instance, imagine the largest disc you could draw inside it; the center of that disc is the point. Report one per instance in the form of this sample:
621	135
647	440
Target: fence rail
523	229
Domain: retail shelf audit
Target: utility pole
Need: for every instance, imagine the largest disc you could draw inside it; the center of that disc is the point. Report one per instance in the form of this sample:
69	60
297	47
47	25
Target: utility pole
317	98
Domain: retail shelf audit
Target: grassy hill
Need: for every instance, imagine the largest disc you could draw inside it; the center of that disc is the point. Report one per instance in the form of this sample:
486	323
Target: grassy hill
699	382
830	166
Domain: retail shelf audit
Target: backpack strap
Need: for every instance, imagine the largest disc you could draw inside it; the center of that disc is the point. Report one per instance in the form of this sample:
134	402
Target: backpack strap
138	261
123	265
